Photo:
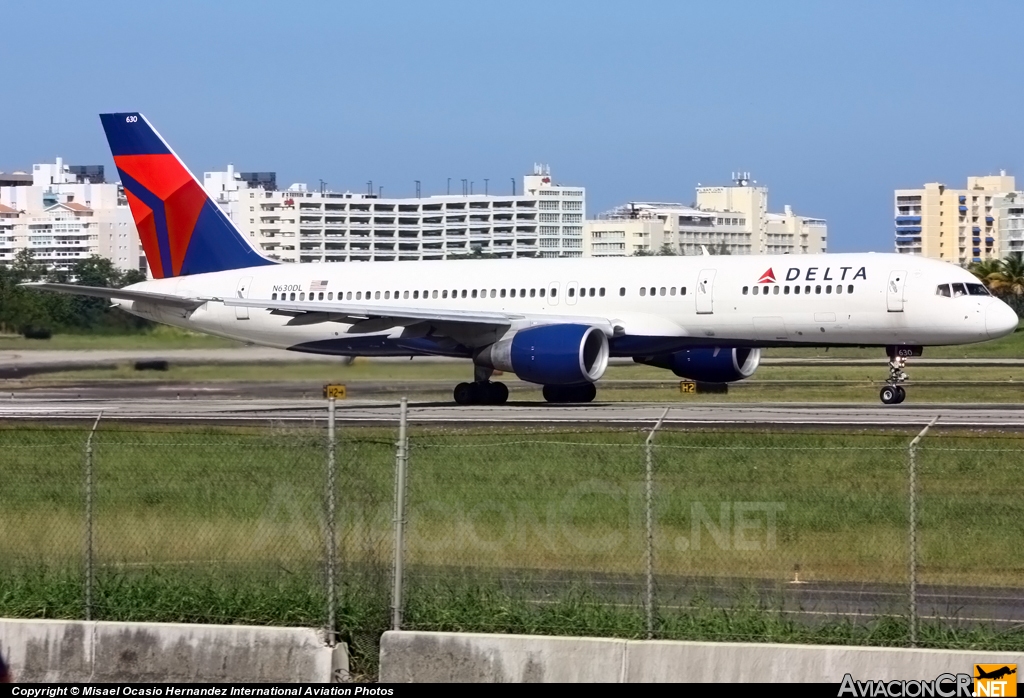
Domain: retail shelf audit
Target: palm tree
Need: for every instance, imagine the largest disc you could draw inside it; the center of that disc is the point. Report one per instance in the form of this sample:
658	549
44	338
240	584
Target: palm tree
1009	279
986	270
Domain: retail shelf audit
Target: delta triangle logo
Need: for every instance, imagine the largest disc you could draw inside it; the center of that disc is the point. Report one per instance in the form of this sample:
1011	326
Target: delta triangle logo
768	277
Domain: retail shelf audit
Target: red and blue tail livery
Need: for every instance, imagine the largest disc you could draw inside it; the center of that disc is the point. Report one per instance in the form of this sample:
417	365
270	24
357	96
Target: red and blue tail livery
182	230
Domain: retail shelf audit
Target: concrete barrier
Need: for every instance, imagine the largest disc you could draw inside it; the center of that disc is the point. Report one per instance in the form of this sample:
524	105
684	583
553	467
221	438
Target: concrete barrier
463	657
79	651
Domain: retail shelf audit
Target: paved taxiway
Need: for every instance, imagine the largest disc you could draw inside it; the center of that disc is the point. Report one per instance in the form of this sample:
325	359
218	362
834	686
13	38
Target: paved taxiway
171	408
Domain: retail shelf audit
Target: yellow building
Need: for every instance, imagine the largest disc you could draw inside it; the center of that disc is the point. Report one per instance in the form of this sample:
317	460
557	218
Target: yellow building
957	225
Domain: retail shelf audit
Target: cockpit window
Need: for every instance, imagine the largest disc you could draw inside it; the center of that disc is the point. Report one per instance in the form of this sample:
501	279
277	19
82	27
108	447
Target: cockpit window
959	290
977	289
942	290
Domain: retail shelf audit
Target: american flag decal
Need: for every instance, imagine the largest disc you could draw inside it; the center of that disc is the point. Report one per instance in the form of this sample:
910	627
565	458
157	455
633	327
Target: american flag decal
315	286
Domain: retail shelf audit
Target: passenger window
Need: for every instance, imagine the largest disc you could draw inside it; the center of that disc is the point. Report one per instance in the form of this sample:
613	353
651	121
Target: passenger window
662	291
541	292
755	291
601	293
302	296
493	293
474	293
785	291
416	294
292	296
444	293
959	290
330	295
672	291
828	289
682	291
807	289
433	294
349	295
502	293
320	297
273	296
746	289
592	292
553	294
817	289
533	293
849	289
405	294
796	290
572	292
464	293
376	295
643	291
622	291
839	288
359	295
387	295
654	291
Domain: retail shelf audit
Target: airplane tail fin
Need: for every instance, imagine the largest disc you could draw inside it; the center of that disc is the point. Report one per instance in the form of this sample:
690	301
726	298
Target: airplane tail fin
182	230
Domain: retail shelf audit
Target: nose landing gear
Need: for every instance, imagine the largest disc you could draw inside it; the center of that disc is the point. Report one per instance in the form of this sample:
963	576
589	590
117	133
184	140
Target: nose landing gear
893	393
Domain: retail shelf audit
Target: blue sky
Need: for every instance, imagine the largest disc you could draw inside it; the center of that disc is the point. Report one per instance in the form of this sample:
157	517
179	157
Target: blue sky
832	105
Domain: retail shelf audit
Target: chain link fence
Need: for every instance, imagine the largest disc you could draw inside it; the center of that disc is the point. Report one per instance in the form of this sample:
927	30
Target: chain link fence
734	534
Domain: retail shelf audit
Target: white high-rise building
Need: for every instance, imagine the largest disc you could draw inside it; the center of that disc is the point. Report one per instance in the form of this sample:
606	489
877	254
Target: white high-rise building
67	214
724	220
299	225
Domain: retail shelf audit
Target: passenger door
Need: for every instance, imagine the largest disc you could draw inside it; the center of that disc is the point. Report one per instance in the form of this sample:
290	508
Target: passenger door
894	291
571	289
242	291
705	291
553	294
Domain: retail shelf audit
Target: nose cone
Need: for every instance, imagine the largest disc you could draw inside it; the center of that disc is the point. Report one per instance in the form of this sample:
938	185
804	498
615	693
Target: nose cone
1000	319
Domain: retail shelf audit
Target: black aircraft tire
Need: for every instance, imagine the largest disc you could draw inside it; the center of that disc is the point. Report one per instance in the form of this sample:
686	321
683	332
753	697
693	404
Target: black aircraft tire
463	394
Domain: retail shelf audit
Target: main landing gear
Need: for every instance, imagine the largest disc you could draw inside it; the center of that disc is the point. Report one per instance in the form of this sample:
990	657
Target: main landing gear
570	393
482	391
893	393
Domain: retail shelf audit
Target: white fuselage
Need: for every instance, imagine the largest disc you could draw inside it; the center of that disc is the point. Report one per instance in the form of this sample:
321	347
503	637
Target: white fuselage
656	303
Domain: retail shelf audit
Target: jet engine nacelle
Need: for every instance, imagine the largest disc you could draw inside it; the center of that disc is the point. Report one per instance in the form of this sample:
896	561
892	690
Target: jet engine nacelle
708	364
550	354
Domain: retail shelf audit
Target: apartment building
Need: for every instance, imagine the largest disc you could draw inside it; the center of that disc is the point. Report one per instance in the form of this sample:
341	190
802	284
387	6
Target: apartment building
724	220
67	213
299	225
961	226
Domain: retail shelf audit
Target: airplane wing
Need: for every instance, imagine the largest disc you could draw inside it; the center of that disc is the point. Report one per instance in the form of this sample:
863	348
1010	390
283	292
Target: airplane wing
384	316
119	293
363	317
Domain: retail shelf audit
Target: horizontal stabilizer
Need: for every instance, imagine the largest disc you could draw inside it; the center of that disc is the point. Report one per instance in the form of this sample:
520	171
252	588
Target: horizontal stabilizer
120	294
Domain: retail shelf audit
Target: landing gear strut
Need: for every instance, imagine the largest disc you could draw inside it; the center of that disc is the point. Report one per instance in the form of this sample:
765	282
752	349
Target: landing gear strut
570	393
893	393
482	391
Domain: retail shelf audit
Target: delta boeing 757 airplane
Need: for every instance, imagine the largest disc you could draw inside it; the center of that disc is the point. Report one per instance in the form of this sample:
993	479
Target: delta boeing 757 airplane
553	322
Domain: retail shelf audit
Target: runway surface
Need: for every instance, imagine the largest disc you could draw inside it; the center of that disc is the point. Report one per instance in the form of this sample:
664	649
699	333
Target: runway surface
172	408
24	363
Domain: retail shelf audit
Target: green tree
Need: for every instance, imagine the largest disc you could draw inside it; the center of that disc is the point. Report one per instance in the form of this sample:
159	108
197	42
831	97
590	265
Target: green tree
666	250
1008	280
985	270
643	253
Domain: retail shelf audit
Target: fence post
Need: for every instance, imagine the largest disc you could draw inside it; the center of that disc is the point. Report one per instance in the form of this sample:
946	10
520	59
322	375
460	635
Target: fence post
89	549
649	505
913	529
401	458
332	534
